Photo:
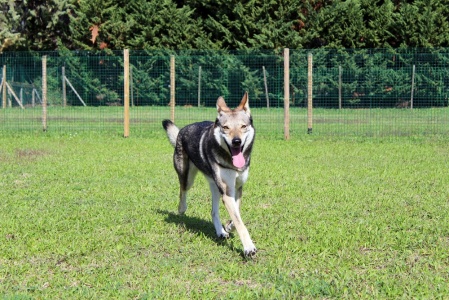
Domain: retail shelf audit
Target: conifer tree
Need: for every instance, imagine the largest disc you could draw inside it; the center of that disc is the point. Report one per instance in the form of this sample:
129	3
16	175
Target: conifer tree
347	24
249	24
139	24
34	25
422	23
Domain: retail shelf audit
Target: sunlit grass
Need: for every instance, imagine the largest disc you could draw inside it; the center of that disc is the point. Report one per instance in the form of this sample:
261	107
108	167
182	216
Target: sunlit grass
90	215
269	122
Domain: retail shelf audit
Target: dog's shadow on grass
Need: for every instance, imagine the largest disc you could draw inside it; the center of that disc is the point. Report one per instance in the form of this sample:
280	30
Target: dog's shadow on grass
197	226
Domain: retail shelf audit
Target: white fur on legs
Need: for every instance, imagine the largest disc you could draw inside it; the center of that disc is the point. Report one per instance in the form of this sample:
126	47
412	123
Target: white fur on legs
229	227
216	195
248	245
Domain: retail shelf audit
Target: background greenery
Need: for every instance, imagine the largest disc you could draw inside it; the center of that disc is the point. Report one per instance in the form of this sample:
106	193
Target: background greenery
375	43
192	24
367	78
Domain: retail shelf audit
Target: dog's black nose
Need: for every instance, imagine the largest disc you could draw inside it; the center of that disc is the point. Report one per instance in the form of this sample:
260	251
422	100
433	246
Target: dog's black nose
236	142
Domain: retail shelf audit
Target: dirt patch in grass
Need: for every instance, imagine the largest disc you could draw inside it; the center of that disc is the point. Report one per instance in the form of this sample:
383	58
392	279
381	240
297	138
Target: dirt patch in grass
29	154
3	156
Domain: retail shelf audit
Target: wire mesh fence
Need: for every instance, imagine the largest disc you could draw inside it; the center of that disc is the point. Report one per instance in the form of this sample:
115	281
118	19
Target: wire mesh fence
352	91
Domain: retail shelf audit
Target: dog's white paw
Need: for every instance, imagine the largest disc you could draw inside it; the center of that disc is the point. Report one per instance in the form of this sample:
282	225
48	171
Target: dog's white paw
223	234
251	252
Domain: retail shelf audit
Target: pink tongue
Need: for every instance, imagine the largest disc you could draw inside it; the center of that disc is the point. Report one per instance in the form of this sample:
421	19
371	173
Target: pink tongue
237	158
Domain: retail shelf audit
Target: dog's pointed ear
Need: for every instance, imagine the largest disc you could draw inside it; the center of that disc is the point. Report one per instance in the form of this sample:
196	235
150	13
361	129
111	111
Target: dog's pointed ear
244	104
221	105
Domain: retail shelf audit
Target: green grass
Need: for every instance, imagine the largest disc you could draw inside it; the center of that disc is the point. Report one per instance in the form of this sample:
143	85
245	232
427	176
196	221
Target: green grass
269	122
94	216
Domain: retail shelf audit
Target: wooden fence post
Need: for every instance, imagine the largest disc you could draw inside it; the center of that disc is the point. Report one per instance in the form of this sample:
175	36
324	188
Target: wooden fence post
340	71
172	88
64	89
309	92
413	87
199	86
126	93
33	98
74	90
266	86
287	93
13	94
131	87
44	93
4	87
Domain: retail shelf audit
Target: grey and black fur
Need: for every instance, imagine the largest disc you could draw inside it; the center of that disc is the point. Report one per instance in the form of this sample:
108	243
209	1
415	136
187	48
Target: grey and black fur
221	150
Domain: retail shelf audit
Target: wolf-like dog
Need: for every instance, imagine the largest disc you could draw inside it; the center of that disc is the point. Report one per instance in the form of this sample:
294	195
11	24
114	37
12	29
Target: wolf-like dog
221	150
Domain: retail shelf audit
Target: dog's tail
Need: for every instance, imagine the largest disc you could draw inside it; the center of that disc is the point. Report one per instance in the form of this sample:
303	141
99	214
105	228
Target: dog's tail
171	130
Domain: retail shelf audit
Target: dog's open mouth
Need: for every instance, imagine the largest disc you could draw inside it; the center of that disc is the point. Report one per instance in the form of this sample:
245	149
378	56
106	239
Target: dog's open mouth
237	157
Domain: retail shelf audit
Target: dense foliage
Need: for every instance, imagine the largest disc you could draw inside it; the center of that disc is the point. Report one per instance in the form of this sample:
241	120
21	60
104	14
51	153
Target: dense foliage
222	24
226	46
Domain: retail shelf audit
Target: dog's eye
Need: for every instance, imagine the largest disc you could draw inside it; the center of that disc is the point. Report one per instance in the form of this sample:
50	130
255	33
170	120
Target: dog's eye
243	126
225	127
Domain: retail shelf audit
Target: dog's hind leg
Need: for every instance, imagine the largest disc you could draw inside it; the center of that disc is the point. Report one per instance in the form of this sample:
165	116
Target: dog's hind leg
186	173
216	195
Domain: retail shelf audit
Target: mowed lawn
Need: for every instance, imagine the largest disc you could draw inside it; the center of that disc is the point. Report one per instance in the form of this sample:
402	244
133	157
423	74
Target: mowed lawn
93	216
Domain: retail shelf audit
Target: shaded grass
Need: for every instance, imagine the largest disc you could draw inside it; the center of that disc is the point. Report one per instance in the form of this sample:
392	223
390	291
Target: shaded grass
89	216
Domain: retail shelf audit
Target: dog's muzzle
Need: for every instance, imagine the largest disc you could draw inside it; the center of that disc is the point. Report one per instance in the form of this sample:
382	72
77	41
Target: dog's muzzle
236	142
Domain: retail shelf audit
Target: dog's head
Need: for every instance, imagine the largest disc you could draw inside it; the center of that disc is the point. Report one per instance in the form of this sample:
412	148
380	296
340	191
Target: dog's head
234	130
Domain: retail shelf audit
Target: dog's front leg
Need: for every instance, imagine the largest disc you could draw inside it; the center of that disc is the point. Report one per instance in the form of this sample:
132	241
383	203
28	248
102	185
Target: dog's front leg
229	227
216	195
233	209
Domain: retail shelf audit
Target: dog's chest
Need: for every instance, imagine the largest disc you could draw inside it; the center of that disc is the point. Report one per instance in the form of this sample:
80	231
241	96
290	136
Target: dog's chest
233	177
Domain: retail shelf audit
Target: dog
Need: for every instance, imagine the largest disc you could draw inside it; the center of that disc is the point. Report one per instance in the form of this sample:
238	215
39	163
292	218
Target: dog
221	150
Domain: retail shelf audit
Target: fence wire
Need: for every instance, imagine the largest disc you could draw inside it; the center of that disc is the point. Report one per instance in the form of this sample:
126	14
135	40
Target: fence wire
368	92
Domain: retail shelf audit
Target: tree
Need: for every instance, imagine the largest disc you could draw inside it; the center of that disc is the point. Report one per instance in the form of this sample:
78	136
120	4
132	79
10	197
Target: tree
34	25
347	24
422	23
375	24
249	24
138	24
